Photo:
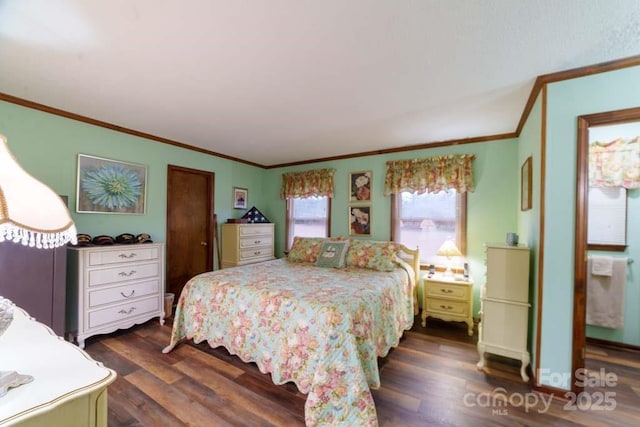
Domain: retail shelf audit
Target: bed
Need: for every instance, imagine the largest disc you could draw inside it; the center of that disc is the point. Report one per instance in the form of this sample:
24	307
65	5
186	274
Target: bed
320	328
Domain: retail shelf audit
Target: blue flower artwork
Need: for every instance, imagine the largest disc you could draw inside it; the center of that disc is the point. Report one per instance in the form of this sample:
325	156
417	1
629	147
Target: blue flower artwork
110	186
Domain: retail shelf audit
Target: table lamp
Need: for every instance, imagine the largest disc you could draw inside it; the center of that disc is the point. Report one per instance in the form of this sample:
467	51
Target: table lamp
448	249
30	214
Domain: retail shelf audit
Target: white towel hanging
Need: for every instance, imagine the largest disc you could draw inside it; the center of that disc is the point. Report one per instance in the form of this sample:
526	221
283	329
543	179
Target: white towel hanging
605	295
602	266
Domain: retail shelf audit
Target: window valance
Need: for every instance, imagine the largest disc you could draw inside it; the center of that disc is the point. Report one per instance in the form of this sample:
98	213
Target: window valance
317	182
615	163
432	174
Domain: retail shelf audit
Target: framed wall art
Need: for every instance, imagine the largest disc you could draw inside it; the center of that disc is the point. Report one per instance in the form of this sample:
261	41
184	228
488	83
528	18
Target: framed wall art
360	220
525	185
240	198
110	186
360	186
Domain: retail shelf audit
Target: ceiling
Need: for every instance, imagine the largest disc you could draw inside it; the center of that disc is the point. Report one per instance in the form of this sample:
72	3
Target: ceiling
282	81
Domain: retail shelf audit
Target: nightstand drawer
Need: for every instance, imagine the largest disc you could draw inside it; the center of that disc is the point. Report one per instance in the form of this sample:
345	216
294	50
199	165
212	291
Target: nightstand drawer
437	290
447	306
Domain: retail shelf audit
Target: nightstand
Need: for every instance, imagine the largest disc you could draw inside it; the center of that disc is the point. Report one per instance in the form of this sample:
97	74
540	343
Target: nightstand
448	299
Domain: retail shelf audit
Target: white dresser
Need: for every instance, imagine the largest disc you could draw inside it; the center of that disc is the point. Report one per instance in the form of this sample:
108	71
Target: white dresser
246	244
69	388
504	312
113	287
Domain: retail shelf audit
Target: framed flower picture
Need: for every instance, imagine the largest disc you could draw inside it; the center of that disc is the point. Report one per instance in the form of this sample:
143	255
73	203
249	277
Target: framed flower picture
110	186
360	186
360	220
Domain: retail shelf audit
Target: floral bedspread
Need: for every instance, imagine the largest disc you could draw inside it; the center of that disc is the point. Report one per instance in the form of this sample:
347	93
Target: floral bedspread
321	328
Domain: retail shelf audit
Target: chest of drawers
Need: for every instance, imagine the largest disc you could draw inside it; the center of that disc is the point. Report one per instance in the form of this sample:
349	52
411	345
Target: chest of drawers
113	287
246	243
448	299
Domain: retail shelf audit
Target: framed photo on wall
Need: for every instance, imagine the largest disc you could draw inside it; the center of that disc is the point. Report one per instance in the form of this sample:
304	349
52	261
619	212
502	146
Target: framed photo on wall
240	198
360	186
525	185
360	220
110	186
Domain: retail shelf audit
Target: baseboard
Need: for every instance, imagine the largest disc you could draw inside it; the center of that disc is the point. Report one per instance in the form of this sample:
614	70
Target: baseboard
612	344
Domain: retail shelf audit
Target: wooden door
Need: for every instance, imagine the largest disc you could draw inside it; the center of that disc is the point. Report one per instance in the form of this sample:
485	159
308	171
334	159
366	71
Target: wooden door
190	243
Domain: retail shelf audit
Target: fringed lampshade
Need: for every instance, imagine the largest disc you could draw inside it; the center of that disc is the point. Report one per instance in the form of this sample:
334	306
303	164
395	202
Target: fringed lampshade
30	212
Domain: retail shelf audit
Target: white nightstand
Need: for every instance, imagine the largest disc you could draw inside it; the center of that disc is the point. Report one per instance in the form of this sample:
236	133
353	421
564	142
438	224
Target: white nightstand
448	299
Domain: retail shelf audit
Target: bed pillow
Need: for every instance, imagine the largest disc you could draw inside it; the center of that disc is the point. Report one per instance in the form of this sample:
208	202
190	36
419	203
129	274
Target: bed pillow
375	255
333	253
305	249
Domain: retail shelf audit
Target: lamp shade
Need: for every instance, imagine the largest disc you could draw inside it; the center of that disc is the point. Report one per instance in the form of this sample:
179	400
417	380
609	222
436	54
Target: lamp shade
30	212
448	249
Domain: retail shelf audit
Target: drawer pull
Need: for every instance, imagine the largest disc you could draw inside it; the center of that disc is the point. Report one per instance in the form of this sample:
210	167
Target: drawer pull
131	255
446	307
123	311
256	253
446	291
123	274
257	242
133	291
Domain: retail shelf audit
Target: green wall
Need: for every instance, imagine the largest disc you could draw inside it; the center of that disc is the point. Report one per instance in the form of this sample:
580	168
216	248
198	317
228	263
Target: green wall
530	144
565	102
47	146
491	209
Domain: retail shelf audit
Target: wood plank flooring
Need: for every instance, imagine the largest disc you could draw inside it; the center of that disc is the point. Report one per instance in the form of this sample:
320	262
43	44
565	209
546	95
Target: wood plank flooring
429	380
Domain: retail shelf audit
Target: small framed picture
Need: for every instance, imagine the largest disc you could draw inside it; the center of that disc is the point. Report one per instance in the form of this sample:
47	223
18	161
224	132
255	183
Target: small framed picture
360	186
240	198
525	185
360	220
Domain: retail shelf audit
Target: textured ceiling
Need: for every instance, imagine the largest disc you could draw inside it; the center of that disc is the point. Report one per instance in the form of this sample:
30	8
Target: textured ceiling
281	81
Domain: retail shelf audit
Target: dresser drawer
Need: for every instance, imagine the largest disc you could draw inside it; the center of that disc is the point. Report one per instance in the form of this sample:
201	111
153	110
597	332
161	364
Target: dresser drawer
121	255
123	293
256	241
435	290
123	311
123	273
256	253
252	230
447	306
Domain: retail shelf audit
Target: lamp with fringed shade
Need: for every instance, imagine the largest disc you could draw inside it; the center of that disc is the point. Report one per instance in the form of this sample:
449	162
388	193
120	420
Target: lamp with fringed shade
33	215
30	212
448	249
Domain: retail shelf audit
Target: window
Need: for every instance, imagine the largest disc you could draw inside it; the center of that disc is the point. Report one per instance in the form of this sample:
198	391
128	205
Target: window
427	220
307	217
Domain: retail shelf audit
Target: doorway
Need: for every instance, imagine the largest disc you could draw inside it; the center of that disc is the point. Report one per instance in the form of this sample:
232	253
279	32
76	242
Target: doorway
189	225
581	242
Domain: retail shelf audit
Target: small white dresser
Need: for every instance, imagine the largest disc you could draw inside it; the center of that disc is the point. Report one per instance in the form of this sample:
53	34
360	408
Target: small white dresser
246	244
448	299
69	388
113	287
504	311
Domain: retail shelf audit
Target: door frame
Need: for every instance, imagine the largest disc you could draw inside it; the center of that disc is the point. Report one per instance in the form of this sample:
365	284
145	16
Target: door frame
580	261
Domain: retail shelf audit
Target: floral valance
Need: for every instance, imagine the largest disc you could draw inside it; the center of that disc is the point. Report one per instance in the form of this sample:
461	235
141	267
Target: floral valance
615	163
433	174
317	182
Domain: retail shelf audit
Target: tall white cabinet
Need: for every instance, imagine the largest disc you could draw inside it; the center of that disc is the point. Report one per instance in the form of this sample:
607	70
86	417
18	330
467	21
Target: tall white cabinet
504	310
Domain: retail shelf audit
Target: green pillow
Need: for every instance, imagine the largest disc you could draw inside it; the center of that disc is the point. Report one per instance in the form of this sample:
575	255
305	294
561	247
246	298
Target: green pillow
332	254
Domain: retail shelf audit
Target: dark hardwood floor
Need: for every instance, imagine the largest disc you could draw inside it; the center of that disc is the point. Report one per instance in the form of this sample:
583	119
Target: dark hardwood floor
429	380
